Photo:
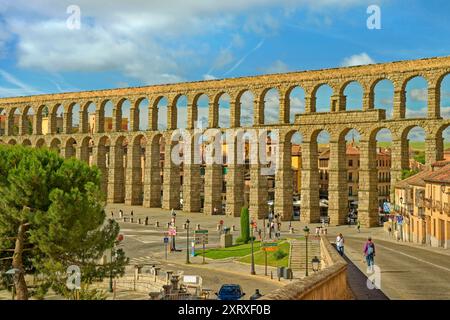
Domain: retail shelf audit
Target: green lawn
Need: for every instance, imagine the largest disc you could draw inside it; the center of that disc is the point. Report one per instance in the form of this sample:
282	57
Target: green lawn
271	261
243	252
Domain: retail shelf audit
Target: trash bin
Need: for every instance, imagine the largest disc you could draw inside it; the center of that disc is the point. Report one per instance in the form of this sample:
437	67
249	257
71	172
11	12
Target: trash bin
280	272
287	273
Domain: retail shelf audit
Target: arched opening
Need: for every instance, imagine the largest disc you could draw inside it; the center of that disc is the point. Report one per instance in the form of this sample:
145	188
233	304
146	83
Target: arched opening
246	101
108	108
55	145
87	145
353	92
90	113
416	97
58	119
445	97
413	139
271	106
384	164
296	103
383	91
12	142
224	111
181	107
323	153
323	95
40	143
2	122
352	162
103	162
296	163
26	143
135	168
202	111
122	116
71	151
162	106
446	140
76	108
118	165
16	121
143	106
28	114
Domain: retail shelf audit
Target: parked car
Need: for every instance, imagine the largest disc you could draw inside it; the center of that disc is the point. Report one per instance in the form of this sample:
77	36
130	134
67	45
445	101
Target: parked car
230	292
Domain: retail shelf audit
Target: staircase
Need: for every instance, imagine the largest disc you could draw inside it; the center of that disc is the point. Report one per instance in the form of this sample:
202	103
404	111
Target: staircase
297	260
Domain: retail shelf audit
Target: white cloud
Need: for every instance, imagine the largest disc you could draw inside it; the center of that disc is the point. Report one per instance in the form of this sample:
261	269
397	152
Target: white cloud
209	77
419	95
152	41
277	67
19	88
357	60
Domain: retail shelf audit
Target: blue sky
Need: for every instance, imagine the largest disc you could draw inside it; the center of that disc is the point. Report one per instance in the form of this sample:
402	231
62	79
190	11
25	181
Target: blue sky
139	42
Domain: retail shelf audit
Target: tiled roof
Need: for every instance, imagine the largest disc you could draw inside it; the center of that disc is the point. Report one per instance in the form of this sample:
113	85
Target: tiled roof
415	180
441	175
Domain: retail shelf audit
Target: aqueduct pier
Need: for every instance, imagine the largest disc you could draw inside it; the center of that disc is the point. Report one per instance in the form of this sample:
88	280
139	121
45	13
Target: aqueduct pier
122	181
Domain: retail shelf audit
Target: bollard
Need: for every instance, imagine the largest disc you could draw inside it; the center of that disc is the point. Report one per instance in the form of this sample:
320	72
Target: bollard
157	224
139	220
291	230
233	228
146	221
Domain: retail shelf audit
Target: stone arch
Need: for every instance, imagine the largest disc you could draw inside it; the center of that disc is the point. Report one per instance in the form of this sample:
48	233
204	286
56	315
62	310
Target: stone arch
86	149
269	101
154	162
351	95
294	101
180	104
141	116
160	113
26	142
222	109
135	171
12	125
27	120
105	116
102	161
246	106
321	97
118	165
12	142
201	103
76	117
41	143
56	118
442	95
415	89
121	115
3	120
55	144
70	148
88	117
381	95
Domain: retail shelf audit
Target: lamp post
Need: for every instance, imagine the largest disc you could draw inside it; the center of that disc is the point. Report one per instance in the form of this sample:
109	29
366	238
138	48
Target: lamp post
306	231
187	242
315	262
252	270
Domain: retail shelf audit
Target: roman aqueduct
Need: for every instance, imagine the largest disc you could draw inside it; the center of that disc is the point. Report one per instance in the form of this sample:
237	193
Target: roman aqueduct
123	181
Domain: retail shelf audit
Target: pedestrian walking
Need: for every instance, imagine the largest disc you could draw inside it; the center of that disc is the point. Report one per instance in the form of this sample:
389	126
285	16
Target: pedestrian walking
112	214
358	226
340	244
390	231
369	253
260	234
132	213
120	213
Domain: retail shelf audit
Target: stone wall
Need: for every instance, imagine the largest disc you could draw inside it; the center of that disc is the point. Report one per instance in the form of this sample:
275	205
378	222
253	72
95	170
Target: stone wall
329	283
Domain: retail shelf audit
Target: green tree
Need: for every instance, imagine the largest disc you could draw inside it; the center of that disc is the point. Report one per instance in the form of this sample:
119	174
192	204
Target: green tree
245	226
52	217
420	157
406	173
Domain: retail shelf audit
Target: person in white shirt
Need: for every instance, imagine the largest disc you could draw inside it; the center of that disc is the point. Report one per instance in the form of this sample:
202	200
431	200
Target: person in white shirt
340	244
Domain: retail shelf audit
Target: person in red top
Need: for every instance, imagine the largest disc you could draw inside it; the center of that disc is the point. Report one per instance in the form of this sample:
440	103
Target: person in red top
369	253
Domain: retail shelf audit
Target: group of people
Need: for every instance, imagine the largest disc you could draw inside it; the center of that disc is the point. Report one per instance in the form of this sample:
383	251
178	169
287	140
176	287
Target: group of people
368	250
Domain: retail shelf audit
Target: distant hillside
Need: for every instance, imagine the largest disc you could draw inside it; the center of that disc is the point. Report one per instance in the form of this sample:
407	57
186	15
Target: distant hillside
415	145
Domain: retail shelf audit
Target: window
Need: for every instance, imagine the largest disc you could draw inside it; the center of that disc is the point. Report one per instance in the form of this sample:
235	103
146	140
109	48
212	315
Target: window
350	163
350	176
350	191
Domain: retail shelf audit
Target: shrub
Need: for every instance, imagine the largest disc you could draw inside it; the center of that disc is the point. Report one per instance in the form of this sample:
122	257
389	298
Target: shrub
279	254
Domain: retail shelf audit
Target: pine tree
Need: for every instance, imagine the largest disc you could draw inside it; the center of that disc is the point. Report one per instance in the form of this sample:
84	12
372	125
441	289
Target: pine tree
245	225
51	217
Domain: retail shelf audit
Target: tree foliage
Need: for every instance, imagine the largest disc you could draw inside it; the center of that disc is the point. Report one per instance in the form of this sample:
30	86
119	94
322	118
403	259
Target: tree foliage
59	205
245	226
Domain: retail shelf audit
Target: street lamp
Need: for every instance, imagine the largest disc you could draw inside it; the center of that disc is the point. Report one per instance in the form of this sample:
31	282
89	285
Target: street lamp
315	262
306	231
252	270
187	242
